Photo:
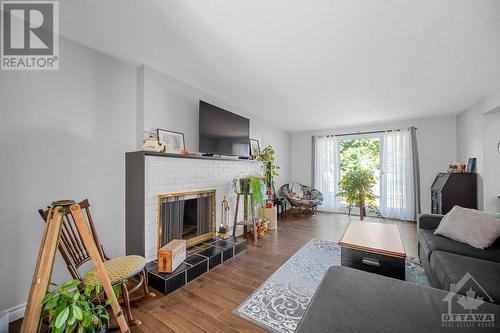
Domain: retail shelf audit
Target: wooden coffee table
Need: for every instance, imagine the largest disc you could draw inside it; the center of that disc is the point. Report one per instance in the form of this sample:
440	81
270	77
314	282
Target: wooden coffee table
374	247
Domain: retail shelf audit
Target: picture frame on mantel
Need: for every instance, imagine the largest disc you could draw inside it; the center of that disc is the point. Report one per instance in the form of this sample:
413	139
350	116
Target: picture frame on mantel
254	148
174	141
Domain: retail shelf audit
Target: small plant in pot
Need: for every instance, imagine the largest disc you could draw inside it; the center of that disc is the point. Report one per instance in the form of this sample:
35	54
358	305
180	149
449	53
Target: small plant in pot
69	309
356	189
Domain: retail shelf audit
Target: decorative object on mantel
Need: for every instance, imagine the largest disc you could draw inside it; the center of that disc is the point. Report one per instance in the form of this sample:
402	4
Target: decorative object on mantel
171	256
173	141
223	228
190	153
471	165
254	149
152	144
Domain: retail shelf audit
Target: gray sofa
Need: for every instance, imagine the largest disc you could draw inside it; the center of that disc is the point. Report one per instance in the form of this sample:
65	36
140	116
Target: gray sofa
350	300
446	261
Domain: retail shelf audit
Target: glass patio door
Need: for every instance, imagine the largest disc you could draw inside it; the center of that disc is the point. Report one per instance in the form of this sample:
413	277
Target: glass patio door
362	151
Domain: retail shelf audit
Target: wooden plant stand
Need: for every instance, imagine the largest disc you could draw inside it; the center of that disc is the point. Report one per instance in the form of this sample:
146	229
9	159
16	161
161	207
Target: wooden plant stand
45	263
245	223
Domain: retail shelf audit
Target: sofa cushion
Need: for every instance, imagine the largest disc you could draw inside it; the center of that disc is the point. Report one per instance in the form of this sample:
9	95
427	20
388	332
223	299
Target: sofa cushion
350	300
431	242
450	268
469	226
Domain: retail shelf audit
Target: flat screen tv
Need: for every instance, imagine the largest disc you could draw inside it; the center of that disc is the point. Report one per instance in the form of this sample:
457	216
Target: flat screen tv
223	132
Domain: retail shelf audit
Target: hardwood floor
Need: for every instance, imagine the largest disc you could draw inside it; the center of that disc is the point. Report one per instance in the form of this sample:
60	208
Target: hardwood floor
206	304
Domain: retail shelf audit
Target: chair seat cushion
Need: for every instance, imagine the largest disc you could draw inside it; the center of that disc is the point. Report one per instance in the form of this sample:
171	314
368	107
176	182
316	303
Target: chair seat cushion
118	269
431	242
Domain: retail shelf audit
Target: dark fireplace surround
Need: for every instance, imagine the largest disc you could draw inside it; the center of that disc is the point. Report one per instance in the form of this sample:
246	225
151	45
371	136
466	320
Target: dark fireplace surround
193	214
186	215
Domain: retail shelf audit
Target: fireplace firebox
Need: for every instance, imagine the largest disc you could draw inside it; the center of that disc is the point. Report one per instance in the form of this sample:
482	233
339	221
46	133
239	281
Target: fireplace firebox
186	215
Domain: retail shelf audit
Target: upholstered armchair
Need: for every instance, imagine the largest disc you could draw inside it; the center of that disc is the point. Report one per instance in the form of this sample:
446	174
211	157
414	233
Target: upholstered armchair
304	198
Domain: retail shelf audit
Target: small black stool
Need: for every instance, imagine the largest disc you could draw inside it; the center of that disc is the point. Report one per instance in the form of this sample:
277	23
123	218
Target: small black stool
280	204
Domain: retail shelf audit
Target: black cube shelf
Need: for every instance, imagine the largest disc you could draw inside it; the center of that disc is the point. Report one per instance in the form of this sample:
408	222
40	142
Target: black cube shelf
200	259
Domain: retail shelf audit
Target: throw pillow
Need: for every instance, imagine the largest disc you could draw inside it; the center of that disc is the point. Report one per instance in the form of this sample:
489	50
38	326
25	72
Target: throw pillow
469	226
296	191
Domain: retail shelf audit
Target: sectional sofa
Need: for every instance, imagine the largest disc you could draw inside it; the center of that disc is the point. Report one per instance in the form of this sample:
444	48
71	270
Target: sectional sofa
446	261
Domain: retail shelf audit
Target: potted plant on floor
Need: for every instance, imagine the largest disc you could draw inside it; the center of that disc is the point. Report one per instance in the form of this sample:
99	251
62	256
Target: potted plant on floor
69	309
271	171
356	189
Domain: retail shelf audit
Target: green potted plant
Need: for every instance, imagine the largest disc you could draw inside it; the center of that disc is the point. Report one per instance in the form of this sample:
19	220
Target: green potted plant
271	169
69	309
356	189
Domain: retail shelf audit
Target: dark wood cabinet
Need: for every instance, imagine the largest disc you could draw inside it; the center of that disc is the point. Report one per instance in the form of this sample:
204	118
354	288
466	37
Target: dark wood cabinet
450	189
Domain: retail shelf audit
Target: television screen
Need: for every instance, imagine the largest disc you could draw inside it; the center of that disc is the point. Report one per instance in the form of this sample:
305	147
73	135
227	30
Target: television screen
223	132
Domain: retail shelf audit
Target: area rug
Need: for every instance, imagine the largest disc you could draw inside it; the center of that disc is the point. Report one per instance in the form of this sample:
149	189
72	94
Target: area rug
280	302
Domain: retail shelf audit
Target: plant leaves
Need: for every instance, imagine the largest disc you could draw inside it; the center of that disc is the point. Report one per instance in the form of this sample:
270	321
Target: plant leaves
78	312
62	317
70	284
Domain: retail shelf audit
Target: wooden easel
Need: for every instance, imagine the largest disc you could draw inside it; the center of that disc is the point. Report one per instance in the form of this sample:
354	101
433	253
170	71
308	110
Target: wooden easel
45	263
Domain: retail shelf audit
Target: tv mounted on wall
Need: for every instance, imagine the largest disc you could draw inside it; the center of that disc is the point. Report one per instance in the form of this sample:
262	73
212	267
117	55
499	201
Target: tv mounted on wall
223	132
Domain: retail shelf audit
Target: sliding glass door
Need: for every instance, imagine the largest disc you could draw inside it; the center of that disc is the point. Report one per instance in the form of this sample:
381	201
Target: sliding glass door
361	151
390	157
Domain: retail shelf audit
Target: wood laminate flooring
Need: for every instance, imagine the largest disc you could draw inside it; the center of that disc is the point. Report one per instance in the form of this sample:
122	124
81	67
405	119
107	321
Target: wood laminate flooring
206	304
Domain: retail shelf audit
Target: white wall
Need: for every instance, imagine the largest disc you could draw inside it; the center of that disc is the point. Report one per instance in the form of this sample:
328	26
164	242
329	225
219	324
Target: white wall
172	104
436	139
63	135
478	134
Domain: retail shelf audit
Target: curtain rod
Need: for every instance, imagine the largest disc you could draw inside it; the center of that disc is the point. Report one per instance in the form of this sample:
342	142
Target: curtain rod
361	133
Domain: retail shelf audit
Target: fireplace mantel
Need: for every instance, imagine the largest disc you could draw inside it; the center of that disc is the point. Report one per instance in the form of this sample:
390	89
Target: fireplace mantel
149	174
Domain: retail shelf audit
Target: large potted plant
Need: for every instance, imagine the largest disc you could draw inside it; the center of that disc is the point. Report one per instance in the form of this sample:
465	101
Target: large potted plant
271	169
69	309
356	189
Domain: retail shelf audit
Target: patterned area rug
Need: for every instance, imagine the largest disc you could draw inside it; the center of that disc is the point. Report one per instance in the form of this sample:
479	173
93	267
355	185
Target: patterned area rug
279	303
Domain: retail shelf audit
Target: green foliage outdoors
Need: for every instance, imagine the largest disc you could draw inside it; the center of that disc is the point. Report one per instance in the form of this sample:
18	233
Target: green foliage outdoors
359	166
360	153
71	310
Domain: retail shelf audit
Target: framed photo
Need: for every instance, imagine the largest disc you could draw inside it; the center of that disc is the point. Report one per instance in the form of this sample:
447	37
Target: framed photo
173	141
254	148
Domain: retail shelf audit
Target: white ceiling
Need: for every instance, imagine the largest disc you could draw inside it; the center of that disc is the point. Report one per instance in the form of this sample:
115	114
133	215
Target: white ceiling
308	64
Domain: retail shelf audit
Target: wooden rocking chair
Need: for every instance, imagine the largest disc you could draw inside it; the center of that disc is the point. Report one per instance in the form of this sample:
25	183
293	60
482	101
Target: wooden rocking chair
119	269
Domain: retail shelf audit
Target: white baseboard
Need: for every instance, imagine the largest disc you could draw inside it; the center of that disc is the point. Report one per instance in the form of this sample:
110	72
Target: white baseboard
16	312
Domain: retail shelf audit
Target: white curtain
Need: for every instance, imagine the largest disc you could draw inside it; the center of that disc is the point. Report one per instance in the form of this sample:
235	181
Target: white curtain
326	170
397	199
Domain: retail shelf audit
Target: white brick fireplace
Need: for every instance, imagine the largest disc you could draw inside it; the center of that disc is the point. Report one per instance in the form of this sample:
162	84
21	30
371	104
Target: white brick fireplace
166	174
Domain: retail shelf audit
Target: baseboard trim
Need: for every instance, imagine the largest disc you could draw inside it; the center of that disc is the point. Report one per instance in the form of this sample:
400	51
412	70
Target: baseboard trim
16	312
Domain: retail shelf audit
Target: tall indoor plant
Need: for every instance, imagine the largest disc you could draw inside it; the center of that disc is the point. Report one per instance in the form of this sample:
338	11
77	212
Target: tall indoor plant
356	189
271	168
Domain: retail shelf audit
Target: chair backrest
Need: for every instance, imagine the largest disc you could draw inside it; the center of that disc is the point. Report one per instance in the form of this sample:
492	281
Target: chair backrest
71	245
